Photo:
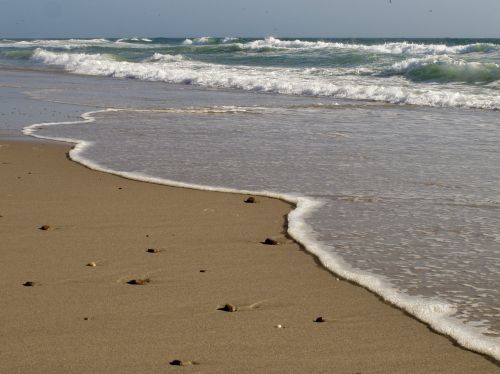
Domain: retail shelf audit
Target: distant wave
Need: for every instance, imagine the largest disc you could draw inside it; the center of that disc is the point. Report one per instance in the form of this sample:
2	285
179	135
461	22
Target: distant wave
201	41
389	48
263	79
71	44
55	43
392	48
134	40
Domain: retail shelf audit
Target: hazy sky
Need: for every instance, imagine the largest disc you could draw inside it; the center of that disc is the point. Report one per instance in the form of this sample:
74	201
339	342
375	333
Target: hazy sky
293	18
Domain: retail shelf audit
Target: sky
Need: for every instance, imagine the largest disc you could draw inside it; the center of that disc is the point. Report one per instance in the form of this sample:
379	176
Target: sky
256	18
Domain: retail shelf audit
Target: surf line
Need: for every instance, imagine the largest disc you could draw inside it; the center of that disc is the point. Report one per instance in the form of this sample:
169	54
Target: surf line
435	313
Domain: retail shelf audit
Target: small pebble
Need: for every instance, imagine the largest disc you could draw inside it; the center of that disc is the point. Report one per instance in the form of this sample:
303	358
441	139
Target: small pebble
139	282
92	264
44	227
119	188
29	284
153	250
202	271
280	326
86	318
229	308
181	363
269	241
319	320
250	200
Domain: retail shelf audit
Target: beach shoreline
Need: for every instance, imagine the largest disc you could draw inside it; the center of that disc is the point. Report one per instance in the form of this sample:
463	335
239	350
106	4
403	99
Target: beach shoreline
209	254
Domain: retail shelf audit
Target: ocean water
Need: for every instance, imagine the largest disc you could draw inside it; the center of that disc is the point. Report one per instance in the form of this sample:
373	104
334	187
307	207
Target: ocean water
389	148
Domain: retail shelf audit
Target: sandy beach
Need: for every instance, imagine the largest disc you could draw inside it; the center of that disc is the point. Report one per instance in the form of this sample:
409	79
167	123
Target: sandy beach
205	251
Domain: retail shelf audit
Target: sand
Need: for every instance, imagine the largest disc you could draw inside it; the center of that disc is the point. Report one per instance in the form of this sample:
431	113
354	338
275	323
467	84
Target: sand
88	319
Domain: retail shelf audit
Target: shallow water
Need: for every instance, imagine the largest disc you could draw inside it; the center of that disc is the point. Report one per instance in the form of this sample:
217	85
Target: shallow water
409	194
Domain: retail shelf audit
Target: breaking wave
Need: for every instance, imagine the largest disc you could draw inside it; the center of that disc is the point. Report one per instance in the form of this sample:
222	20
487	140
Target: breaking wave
294	81
446	69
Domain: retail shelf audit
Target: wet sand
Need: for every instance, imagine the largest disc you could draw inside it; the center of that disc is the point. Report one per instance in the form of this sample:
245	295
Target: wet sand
206	252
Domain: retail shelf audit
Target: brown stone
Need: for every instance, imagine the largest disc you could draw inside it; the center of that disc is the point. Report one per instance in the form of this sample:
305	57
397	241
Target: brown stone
250	200
152	250
319	320
29	284
269	241
44	227
139	282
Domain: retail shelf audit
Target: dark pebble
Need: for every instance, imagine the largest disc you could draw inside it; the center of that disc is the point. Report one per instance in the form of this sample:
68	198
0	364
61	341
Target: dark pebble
229	308
153	250
319	320
44	227
29	284
202	271
270	242
139	282
250	200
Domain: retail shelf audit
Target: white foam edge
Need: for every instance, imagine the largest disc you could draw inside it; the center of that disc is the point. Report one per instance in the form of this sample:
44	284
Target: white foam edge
435	313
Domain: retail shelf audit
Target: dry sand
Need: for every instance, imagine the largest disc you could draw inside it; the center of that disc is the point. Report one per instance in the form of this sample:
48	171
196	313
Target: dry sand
85	319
